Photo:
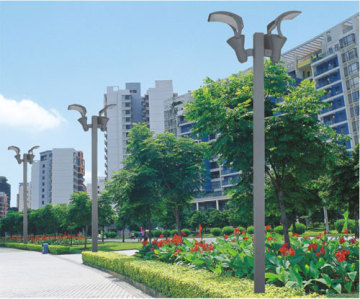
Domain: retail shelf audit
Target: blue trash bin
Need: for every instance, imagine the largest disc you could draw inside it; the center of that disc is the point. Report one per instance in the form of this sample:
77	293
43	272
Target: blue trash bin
45	248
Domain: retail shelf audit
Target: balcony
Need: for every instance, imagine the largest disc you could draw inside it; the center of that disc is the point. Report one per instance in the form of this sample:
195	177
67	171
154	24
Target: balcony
327	66
334	77
335	104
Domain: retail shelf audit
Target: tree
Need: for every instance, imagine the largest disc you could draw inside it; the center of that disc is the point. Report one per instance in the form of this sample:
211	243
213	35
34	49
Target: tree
106	212
60	214
341	187
296	141
12	223
80	211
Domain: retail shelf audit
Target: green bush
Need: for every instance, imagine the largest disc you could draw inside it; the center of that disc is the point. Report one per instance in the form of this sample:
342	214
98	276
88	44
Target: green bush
250	229
166	233
215	231
156	233
110	234
300	228
186	231
173	232
340	223
179	281
241	228
227	230
58	249
279	229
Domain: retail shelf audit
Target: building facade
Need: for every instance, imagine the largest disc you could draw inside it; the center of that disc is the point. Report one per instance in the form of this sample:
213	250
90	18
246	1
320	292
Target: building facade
331	59
131	108
3	204
100	186
6	188
59	173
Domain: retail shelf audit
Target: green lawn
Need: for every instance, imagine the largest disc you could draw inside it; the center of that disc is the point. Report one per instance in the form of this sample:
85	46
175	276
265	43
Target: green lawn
107	246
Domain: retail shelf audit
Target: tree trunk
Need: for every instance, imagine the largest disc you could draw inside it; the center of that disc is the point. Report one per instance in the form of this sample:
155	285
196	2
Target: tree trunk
123	234
356	225
284	217
71	238
103	233
177	219
294	222
86	227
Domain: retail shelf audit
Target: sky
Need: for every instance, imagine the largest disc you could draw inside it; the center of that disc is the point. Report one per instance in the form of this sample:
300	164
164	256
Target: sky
53	54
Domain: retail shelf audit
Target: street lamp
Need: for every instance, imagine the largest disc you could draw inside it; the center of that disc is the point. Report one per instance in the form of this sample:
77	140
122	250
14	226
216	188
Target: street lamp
27	158
264	45
97	121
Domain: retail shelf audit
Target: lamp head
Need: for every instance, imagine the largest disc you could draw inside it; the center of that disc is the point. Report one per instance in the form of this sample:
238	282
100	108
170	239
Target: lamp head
288	15
83	119
237	42
30	152
17	151
102	111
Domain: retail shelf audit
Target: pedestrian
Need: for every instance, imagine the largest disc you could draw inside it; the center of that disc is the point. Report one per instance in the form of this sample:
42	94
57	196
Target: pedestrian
140	236
146	235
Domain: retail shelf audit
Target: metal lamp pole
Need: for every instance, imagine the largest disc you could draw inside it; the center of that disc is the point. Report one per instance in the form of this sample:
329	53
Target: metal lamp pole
264	45
97	121
27	158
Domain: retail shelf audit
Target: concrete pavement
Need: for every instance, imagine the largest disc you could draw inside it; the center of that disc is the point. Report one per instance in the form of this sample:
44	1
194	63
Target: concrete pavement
29	274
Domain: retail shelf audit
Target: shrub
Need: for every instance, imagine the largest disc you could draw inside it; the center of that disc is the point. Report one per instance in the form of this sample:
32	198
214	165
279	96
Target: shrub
300	228
215	231
340	223
179	281
250	229
156	233
279	229
173	232
110	234
58	249
227	230
166	233
241	228
186	231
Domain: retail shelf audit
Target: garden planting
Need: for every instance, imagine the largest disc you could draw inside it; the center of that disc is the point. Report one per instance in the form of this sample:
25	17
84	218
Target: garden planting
325	265
61	239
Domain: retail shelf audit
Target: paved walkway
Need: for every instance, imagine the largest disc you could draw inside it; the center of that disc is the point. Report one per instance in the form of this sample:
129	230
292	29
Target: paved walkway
29	274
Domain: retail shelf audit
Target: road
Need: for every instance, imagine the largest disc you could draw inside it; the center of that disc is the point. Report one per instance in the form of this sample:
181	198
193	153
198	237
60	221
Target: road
29	274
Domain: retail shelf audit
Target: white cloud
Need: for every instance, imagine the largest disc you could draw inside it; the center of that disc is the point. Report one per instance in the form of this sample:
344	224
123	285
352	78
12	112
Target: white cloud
26	114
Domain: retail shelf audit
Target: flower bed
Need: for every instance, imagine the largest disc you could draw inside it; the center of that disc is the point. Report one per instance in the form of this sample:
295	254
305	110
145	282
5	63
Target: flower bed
320	264
64	239
178	281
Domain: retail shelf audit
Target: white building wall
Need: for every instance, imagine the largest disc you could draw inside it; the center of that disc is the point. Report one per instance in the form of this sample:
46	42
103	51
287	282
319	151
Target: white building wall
115	138
63	162
35	185
157	96
100	187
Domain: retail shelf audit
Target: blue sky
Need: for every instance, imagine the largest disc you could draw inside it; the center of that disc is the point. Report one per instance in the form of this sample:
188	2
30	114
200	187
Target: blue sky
57	53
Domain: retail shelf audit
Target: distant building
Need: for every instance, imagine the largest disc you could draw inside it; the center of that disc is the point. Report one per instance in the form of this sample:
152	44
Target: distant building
3	204
6	188
59	173
100	186
20	201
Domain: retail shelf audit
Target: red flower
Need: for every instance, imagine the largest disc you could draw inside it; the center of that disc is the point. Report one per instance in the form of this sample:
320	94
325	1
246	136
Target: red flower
269	238
292	251
312	246
225	237
152	249
268	227
346	231
353	240
318	254
340	256
319	236
234	241
306	237
161	236
342	240
145	243
268	249
345	251
245	238
243	232
295	235
183	234
325	232
236	231
200	228
178	250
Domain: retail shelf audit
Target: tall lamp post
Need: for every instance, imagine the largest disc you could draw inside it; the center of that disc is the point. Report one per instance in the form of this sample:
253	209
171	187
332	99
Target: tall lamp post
264	45
27	158
97	121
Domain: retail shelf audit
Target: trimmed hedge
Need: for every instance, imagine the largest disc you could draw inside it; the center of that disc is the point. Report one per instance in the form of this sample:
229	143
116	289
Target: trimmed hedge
279	229
339	224
250	229
227	230
215	231
300	228
53	249
186	231
179	281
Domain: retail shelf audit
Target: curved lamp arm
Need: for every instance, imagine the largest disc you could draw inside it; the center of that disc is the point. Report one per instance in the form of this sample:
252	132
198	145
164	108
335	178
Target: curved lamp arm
102	111
17	151
289	15
30	152
234	21
83	119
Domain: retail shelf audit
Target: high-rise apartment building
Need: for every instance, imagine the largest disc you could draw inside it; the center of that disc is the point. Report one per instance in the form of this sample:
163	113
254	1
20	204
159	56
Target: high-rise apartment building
59	173
100	186
331	59
6	188
3	204
131	108
218	177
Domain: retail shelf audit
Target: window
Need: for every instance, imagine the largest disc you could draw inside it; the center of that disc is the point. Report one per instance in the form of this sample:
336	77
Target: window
42	196
127	97
352	83
336	47
128	127
127	119
133	91
331	50
354	97
43	166
43	184
127	111
127	104
328	37
353	68
42	202
347	40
